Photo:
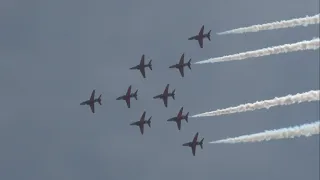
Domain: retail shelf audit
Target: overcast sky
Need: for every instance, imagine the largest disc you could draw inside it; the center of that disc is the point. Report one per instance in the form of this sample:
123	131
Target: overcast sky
54	53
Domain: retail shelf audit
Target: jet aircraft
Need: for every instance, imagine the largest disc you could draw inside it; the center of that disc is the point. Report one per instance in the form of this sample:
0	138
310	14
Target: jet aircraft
128	96
164	96
179	118
194	143
181	65
201	36
142	122
142	66
92	100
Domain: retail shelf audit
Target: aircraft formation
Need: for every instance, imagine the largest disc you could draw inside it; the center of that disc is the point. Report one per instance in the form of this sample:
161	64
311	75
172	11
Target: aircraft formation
164	96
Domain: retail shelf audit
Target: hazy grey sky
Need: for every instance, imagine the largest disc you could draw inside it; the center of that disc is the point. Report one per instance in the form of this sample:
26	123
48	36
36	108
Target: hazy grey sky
54	53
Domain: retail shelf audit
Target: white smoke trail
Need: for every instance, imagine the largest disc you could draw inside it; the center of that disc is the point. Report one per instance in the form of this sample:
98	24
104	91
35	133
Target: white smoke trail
299	46
284	133
277	101
276	25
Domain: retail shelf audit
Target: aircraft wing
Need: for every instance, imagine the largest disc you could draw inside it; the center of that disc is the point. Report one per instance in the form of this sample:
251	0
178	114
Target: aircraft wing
200	40
179	124
141	126
180	112
143	72
195	138
92	107
165	101
129	91
181	71
142	61
193	150
181	62
128	102
201	31
143	116
92	95
165	93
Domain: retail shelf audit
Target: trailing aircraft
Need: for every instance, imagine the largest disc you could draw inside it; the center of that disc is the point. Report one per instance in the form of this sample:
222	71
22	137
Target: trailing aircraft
201	36
164	96
142	122
179	118
193	144
181	65
142	66
128	96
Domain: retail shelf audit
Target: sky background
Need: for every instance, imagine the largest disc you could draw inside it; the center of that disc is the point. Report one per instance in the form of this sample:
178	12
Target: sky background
54	53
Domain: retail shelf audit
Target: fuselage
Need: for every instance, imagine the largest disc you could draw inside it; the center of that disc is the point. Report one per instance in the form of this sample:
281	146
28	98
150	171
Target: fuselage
124	97
197	37
178	118
88	102
178	65
138	123
139	66
161	96
190	144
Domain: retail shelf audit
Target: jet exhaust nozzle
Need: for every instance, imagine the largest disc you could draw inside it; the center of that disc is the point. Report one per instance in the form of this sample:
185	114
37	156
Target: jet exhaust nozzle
201	143
136	95
208	36
149	122
150	65
99	99
187	115
189	64
173	94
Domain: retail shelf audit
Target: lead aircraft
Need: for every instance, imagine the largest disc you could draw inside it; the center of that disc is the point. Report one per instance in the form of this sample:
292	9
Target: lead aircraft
92	100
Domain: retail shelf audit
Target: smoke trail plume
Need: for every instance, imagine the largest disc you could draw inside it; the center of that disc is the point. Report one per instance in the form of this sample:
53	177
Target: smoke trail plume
277	101
275	25
284	133
299	46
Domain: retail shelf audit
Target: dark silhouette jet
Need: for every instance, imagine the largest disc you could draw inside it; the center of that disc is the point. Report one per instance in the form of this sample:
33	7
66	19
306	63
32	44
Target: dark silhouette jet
142	66
164	96
201	36
181	65
179	118
128	96
92	100
142	122
194	143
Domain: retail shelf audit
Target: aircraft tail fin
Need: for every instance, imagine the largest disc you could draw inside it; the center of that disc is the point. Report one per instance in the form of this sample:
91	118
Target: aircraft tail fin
150	65
149	121
187	115
135	95
99	99
189	64
201	143
173	94
208	36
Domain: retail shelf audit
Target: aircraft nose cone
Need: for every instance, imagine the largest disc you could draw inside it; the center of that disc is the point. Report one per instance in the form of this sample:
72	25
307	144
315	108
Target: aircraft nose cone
118	98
